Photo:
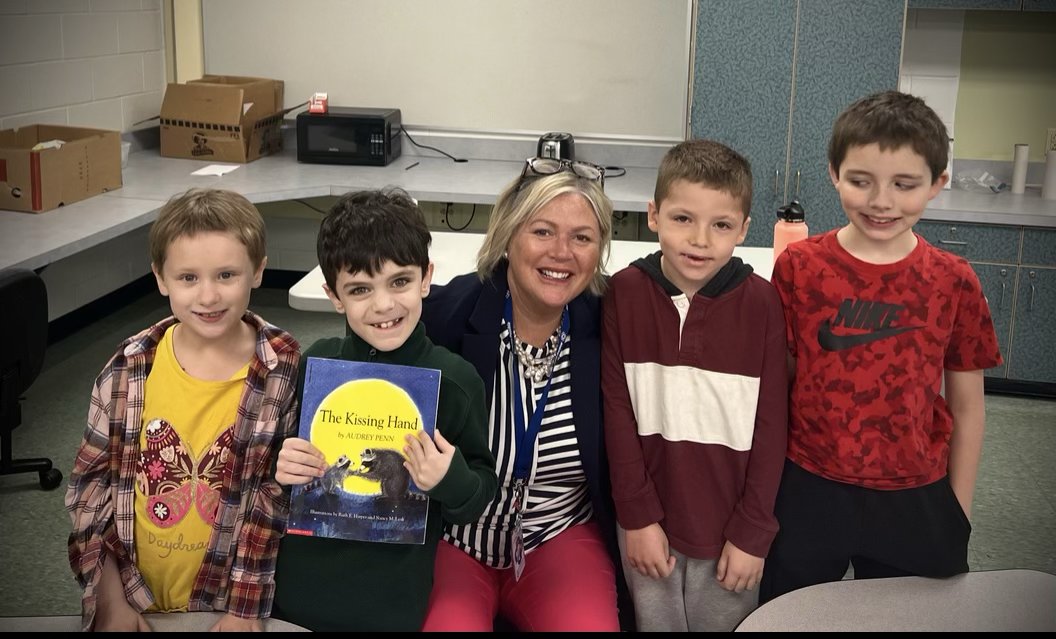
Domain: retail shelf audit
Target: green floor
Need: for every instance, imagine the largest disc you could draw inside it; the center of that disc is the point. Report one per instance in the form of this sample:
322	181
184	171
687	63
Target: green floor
1014	513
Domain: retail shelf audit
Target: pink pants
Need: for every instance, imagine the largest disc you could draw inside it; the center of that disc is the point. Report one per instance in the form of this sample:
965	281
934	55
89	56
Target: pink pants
568	584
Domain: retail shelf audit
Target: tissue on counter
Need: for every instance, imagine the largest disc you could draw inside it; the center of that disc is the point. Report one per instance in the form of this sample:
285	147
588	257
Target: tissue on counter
979	181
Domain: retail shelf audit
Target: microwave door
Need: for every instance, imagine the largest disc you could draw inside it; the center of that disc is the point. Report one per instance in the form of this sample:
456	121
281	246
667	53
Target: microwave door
347	142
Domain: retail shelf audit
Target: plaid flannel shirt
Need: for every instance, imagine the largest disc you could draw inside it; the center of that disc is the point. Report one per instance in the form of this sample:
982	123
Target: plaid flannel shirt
237	574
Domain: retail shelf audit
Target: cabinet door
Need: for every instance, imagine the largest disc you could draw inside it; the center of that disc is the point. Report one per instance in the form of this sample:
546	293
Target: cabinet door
845	50
974	242
999	287
742	86
1033	353
1039	247
1004	5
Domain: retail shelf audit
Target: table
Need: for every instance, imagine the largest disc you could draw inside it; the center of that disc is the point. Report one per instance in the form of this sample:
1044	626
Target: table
160	622
994	600
456	253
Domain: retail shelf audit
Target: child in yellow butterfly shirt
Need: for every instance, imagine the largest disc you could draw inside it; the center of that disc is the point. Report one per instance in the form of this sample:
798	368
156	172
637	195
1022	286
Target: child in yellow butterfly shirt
187	419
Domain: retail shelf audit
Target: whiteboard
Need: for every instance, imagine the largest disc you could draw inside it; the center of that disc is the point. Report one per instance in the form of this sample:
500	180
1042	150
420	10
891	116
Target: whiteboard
607	68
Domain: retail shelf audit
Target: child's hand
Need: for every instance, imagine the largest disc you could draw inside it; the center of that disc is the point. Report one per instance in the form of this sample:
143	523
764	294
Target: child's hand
737	570
648	553
231	623
113	613
428	459
119	619
299	462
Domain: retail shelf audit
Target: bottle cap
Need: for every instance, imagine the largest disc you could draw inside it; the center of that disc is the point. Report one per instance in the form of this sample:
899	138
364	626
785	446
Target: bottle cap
792	212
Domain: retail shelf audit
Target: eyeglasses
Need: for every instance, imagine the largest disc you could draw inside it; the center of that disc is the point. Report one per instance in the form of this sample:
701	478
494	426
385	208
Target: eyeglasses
549	166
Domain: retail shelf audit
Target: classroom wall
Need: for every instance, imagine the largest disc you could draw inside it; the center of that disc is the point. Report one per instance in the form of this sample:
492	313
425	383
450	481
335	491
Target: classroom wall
93	63
602	68
1008	84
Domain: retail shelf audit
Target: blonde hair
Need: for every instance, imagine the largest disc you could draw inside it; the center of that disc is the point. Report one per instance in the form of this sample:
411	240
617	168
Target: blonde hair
201	210
523	198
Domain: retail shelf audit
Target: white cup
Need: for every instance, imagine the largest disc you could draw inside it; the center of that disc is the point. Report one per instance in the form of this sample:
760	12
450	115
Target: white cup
1048	186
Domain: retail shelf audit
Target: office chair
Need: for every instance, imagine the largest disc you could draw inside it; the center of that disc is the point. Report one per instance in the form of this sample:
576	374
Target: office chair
24	330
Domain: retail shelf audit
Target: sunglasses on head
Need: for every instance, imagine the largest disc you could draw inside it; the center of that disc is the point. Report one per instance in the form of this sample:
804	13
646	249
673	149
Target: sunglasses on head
534	167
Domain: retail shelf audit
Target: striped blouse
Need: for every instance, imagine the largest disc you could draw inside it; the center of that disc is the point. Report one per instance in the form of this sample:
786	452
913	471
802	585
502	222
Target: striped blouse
557	487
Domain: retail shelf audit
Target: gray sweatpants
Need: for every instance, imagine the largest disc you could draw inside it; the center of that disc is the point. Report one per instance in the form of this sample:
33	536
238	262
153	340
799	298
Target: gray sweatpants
690	599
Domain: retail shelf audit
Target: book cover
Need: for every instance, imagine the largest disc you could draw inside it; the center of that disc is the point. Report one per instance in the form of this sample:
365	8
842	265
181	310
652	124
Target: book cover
357	414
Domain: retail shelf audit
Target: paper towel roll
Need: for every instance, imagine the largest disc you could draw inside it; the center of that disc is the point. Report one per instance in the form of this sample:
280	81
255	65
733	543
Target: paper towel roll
1048	187
1020	161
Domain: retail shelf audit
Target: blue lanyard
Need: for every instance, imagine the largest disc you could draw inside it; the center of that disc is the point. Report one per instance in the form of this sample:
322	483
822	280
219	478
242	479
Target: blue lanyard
522	465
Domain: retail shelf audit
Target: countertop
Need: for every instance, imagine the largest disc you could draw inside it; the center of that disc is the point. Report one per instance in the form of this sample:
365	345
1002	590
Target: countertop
33	240
1028	209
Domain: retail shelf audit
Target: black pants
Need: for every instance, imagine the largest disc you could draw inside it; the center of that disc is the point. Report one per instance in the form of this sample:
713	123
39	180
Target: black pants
826	525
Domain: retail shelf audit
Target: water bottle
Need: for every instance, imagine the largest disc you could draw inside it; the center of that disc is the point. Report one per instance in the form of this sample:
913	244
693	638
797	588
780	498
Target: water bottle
790	227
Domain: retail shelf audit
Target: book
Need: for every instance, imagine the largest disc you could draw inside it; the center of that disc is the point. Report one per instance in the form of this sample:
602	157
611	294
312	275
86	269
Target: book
357	414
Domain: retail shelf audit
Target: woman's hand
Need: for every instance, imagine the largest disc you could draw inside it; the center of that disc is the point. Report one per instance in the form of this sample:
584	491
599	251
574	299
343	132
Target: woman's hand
428	459
299	462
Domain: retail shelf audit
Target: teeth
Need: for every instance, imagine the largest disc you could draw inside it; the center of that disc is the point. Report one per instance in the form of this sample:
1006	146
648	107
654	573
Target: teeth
555	274
388	324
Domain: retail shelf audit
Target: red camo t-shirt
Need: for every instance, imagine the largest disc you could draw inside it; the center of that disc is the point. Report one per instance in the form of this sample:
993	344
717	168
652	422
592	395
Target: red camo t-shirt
871	342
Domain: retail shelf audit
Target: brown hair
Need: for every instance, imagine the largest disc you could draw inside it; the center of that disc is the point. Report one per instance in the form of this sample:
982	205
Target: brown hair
892	120
709	163
206	210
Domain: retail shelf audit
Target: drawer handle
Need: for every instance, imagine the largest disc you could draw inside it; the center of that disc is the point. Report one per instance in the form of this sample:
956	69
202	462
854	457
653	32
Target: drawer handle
1032	289
953	242
1001	302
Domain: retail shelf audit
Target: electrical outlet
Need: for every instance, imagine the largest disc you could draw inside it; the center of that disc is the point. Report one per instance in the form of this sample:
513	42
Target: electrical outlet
435	214
1050	140
624	225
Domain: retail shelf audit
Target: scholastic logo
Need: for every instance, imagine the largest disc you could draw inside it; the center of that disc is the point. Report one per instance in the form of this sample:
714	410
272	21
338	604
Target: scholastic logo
875	318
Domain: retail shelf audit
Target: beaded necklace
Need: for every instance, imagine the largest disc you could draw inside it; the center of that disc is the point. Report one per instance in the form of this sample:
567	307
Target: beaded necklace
537	368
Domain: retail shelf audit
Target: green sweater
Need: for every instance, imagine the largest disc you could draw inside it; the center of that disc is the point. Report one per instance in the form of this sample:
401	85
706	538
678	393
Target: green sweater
340	585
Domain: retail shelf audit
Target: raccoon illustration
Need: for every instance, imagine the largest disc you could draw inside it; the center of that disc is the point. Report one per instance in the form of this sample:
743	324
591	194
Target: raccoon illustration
333	478
385	465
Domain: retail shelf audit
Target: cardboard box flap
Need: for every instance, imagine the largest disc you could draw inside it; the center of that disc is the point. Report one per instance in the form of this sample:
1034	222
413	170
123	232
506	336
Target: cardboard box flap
262	96
197	104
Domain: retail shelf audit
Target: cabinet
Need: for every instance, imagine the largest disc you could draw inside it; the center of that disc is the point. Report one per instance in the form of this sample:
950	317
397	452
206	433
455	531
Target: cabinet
769	79
1002	5
1017	269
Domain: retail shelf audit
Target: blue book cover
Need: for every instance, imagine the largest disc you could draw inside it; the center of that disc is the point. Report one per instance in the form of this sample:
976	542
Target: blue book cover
357	414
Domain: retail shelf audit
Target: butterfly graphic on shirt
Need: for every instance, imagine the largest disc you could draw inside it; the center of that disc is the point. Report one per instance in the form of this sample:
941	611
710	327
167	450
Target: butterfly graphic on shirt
172	479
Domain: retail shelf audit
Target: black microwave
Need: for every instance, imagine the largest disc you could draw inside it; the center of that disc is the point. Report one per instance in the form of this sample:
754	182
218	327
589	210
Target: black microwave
349	135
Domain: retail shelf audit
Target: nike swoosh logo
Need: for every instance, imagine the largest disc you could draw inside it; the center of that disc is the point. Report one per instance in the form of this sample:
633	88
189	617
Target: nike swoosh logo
832	342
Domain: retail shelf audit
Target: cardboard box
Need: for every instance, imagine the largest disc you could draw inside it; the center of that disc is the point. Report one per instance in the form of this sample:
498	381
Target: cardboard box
89	163
222	118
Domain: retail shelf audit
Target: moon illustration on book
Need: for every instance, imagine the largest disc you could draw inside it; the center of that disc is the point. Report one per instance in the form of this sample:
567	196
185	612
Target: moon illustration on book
366	420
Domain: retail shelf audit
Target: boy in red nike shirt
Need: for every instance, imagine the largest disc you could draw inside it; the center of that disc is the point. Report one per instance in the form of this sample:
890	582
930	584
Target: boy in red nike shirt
881	460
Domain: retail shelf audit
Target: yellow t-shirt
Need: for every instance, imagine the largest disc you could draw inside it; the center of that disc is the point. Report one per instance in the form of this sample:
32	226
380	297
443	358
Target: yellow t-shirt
185	444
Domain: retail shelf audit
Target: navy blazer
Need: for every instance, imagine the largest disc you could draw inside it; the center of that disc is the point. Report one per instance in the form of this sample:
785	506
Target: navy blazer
465	316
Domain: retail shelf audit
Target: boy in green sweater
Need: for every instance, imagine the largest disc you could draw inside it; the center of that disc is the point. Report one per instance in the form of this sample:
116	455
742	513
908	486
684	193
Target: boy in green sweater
373	249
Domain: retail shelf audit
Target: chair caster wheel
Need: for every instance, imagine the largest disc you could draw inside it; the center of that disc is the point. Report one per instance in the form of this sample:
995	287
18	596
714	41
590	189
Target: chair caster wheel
50	479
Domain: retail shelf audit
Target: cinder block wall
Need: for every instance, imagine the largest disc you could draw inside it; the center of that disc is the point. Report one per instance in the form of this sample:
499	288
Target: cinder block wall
94	63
